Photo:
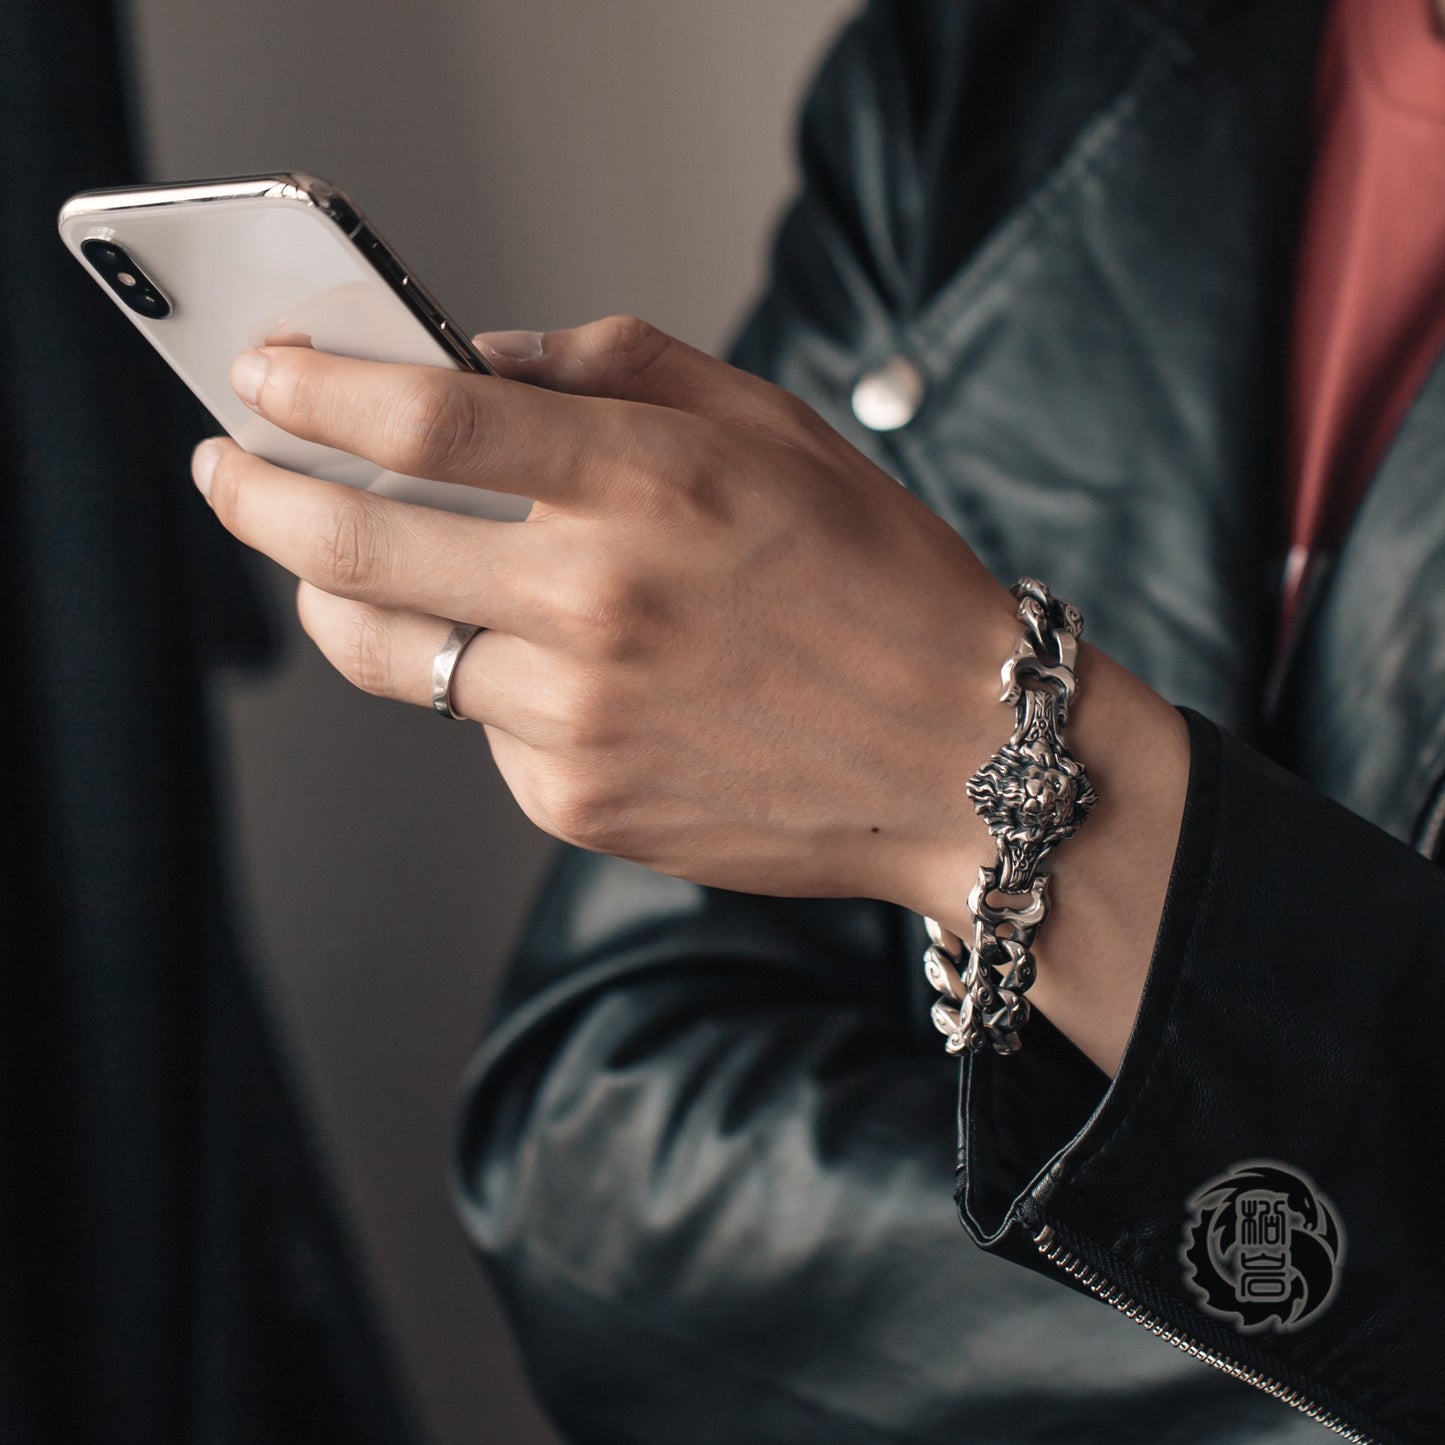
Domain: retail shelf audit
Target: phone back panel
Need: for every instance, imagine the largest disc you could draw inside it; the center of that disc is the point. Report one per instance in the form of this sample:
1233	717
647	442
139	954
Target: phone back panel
268	269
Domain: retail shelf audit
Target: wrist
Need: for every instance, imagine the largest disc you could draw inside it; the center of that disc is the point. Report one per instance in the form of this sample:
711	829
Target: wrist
932	870
1106	887
1110	881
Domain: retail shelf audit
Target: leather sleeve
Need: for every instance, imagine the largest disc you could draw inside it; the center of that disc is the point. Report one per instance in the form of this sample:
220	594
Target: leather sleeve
708	1159
1289	1030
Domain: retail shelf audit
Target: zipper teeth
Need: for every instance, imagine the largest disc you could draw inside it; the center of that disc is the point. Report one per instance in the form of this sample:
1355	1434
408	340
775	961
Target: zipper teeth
1094	1281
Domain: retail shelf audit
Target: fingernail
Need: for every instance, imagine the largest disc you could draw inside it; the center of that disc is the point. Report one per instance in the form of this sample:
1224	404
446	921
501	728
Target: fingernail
203	465
248	371
512	345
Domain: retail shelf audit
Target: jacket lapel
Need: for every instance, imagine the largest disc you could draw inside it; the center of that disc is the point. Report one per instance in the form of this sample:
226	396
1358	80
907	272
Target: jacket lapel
1363	714
1105	372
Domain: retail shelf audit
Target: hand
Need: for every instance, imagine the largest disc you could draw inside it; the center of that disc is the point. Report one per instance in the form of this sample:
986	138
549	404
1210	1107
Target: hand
723	644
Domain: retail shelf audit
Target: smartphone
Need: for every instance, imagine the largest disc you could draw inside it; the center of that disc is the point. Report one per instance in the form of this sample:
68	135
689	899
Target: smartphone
207	269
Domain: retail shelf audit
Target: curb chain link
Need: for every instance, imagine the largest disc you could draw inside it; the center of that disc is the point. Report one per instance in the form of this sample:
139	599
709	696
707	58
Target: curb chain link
1032	794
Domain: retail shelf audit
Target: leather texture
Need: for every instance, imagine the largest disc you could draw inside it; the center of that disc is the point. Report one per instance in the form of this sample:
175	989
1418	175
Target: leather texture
708	1144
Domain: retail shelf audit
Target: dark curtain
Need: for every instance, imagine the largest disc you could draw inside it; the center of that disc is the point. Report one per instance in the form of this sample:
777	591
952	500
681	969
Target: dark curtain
171	1269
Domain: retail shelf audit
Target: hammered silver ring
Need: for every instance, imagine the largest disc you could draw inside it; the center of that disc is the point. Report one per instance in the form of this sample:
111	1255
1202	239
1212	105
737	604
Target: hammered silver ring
444	664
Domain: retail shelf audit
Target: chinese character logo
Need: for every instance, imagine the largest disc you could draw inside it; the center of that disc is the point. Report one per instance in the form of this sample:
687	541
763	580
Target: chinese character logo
1262	1248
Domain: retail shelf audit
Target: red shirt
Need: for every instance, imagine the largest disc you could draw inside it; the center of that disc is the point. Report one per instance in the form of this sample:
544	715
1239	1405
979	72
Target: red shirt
1370	309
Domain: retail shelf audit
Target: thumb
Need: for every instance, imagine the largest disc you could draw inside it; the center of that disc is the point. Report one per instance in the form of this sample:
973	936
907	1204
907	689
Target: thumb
628	360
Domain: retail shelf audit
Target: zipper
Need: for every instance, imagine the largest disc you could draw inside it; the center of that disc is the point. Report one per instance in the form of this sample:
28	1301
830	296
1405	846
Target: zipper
1093	1279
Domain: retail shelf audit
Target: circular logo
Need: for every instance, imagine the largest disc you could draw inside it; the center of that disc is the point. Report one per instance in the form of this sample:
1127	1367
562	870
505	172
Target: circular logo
1262	1248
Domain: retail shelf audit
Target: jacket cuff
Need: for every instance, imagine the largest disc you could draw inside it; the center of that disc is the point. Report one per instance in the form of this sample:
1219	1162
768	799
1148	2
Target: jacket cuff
1271	1059
1024	1119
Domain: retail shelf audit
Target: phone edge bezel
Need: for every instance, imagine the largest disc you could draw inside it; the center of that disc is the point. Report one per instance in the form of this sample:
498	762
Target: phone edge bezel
305	189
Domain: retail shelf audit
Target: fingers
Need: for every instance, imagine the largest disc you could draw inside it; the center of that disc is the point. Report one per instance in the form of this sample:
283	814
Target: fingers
450	426
386	651
563	440
626	359
548	726
352	544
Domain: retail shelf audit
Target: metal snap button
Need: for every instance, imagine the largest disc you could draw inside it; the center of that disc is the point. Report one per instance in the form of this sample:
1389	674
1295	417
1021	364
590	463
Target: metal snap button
888	396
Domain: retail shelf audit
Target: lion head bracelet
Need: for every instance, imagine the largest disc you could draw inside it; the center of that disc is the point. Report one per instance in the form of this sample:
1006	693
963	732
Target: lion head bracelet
1032	794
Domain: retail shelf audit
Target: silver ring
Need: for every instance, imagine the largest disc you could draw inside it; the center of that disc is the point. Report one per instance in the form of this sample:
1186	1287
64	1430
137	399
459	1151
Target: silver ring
445	663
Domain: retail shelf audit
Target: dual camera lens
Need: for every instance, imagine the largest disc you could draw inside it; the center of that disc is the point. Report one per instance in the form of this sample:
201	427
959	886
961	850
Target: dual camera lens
125	278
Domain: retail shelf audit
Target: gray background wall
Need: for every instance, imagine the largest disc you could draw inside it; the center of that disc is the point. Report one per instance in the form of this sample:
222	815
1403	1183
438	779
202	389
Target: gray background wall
537	164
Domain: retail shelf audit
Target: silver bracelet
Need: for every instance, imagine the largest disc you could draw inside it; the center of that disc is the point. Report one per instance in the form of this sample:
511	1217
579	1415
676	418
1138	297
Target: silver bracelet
1033	793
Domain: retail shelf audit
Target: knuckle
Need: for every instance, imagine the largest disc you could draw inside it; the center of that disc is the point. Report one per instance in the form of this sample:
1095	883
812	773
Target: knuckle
697	491
291	392
345	547
225	484
631	344
615	609
625	333
685	480
433	427
796	413
366	658
585	717
581	809
609	613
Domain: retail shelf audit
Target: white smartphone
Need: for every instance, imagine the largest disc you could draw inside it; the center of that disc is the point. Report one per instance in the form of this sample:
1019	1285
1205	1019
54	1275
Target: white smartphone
207	269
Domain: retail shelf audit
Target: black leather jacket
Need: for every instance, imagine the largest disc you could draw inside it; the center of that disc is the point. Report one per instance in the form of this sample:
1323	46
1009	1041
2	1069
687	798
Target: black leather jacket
708	1147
